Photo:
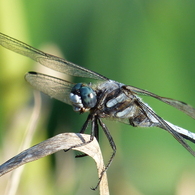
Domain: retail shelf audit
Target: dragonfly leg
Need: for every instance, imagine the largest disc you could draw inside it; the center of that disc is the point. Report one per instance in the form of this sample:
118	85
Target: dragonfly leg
113	146
89	118
85	125
94	131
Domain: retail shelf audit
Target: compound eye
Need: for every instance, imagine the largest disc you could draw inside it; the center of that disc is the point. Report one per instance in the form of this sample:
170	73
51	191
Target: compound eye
82	97
88	96
76	88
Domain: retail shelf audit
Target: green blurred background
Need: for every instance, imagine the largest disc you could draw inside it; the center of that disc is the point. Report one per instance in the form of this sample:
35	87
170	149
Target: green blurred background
148	44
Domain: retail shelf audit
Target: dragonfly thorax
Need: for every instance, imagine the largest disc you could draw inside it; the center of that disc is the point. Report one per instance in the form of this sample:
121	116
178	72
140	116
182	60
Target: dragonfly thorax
82	97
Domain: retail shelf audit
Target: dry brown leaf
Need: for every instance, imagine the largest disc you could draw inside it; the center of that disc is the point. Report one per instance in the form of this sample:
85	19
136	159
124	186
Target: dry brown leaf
59	142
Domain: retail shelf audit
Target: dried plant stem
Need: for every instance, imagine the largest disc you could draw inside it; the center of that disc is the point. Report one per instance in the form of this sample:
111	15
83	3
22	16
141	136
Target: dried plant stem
60	142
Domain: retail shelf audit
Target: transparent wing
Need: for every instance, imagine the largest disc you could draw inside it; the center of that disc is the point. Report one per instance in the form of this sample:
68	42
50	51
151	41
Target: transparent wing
47	60
172	129
54	87
182	106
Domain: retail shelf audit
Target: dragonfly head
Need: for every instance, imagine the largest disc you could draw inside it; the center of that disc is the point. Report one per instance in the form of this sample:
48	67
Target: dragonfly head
82	97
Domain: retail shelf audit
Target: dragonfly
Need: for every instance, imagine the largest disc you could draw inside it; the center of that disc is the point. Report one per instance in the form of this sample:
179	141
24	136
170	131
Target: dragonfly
105	99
